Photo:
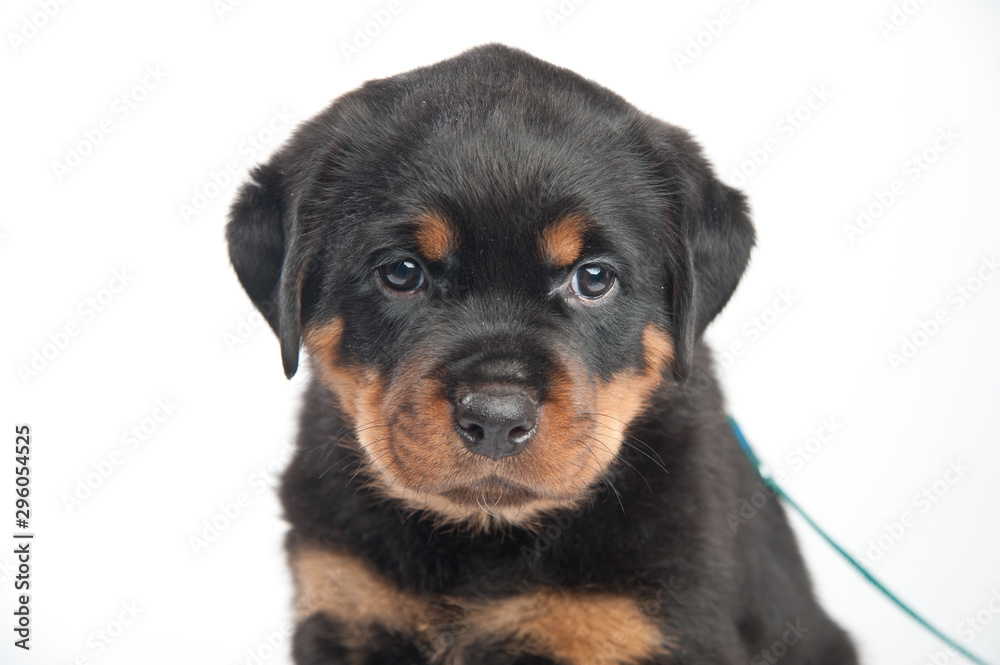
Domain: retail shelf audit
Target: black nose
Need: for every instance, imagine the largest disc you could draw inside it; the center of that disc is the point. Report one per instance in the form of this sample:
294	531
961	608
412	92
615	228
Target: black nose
496	424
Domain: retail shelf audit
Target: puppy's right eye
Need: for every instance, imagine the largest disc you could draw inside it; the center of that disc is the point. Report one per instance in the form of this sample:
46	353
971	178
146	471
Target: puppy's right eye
402	276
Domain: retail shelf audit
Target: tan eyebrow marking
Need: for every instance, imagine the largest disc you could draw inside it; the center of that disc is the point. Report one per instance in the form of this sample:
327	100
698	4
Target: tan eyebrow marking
562	241
436	237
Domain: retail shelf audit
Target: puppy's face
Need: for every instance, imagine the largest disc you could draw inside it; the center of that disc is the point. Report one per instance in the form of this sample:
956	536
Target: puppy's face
490	340
494	265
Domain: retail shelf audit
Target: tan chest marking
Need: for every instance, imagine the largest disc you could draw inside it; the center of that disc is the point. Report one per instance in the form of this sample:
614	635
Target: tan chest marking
347	590
570	627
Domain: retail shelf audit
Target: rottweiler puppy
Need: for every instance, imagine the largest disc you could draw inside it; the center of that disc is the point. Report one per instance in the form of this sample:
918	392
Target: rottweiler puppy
513	449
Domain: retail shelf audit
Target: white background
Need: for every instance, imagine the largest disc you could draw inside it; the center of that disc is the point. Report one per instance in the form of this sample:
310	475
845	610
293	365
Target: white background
228	77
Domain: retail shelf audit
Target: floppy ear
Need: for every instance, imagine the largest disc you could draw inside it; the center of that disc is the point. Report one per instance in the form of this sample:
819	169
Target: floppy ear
711	243
268	257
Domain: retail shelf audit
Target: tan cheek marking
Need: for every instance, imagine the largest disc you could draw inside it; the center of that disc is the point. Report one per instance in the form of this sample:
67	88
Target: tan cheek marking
348	384
360	392
562	241
424	419
572	628
561	456
436	237
348	591
622	399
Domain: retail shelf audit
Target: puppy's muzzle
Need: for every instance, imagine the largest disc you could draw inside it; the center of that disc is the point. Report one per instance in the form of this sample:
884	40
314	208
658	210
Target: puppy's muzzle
496	423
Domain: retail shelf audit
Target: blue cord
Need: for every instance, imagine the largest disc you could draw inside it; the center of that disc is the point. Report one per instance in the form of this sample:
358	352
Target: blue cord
770	482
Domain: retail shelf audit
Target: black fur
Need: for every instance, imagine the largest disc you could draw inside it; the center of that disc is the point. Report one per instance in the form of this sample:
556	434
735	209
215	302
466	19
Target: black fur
503	143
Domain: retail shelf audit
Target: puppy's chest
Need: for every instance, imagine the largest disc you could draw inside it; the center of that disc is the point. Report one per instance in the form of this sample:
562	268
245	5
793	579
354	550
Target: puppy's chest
565	625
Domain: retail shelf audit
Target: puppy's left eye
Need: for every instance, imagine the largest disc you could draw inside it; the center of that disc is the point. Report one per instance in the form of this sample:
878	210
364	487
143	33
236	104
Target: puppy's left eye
402	276
592	281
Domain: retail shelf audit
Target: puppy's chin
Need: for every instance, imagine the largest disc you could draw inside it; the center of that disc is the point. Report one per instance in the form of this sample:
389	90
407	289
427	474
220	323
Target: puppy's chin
486	503
491	493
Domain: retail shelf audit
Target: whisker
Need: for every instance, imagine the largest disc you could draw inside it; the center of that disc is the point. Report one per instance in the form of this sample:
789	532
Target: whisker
376	476
605	478
657	460
625	462
344	431
359	455
626	426
600	474
370	462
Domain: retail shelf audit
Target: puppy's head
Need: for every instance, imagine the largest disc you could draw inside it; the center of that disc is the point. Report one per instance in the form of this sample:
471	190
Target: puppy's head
495	265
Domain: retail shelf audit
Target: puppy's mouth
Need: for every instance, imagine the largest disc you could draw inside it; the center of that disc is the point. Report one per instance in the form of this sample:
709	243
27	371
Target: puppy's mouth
491	493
